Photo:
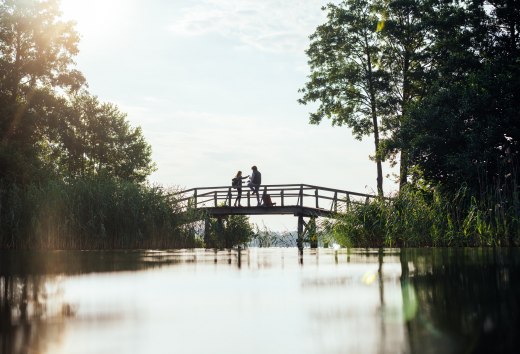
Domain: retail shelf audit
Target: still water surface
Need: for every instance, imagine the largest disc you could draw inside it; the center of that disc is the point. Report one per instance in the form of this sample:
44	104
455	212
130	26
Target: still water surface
272	300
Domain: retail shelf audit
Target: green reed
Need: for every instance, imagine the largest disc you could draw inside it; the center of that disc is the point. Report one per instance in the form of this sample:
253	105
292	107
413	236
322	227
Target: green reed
90	213
419	218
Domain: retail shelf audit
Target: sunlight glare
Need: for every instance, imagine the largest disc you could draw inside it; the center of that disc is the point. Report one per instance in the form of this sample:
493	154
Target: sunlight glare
96	19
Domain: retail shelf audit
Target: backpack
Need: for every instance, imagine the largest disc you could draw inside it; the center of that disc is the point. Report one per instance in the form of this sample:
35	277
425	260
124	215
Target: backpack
235	182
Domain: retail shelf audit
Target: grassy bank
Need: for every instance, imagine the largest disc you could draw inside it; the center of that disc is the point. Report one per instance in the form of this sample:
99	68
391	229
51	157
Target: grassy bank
89	213
418	218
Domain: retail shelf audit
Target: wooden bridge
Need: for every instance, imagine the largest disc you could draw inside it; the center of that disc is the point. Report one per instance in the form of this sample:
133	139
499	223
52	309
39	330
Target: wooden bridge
300	200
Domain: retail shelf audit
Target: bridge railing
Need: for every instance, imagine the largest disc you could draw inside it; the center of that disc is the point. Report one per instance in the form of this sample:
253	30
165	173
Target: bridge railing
303	195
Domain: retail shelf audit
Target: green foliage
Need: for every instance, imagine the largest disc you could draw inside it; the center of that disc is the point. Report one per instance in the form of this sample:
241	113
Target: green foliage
418	218
344	57
469	133
96	139
36	48
229	231
36	54
88	213
48	128
369	62
346	78
466	131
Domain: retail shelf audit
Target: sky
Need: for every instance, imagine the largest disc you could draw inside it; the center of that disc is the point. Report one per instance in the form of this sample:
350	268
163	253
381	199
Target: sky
214	86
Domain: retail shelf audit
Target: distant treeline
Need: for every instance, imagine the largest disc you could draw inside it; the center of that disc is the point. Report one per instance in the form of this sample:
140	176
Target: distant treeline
436	84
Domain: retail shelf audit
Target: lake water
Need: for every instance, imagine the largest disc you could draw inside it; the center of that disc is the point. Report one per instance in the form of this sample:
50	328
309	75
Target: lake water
273	300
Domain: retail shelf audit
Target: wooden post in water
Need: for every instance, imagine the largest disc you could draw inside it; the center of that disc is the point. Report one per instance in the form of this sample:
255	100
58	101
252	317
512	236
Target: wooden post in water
299	241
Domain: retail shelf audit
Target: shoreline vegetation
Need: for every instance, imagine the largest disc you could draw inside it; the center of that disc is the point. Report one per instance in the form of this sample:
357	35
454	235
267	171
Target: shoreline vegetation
91	213
439	93
104	213
419	218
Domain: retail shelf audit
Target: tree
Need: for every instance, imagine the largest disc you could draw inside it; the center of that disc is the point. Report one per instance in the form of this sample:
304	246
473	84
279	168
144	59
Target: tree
47	125
95	138
344	58
230	231
467	131
407	35
36	52
36	61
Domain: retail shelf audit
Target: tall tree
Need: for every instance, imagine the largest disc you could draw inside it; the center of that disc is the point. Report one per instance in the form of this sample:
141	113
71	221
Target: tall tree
36	51
36	62
96	138
406	39
467	131
46	125
344	58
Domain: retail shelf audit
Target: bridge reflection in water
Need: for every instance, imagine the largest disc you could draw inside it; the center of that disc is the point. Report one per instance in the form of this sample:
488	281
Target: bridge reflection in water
306	202
261	300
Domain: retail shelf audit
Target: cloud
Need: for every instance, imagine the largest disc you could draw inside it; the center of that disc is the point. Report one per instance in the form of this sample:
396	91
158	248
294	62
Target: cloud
269	25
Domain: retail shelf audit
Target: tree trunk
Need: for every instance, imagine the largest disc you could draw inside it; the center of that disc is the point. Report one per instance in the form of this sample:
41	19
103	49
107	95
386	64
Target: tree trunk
403	169
373	108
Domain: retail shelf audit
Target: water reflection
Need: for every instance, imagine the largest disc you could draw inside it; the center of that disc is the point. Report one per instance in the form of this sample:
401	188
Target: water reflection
461	300
260	300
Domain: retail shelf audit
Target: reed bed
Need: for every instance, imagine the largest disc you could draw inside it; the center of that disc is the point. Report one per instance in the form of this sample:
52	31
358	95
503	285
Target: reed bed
418	218
90	213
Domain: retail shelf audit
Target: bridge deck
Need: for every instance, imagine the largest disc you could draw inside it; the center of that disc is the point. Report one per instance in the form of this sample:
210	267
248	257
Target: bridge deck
295	210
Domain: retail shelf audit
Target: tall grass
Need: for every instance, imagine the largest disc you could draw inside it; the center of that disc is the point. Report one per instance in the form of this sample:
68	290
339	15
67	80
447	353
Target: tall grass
418	218
89	213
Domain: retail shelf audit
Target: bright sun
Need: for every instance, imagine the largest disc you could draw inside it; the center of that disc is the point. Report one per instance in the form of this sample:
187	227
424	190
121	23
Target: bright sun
95	18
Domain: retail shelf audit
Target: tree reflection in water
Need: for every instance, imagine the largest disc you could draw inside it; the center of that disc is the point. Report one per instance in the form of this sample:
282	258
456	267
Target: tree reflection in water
461	300
26	313
453	300
31	305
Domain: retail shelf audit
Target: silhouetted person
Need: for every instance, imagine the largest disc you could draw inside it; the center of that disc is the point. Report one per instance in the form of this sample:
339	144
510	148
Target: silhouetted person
266	199
236	182
255	182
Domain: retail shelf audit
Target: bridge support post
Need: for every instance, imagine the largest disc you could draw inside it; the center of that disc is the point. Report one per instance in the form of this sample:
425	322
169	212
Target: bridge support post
299	241
307	228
